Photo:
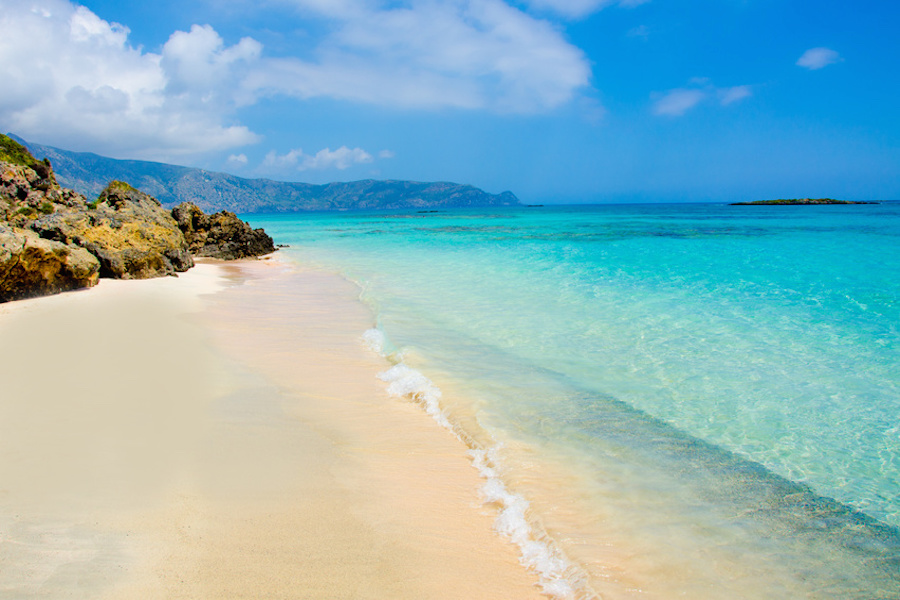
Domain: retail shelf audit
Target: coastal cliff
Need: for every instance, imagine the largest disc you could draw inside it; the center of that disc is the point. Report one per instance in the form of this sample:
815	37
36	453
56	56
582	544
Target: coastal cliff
53	240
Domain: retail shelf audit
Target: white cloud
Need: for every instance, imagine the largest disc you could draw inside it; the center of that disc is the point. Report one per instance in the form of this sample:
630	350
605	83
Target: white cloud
470	54
199	61
575	9
238	159
387	154
71	77
734	94
341	159
679	101
332	8
817	58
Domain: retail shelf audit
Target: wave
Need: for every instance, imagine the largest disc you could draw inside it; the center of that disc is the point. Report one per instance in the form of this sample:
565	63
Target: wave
558	577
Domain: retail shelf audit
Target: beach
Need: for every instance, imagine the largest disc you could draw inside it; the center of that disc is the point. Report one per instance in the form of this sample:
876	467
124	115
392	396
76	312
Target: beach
225	434
615	402
695	400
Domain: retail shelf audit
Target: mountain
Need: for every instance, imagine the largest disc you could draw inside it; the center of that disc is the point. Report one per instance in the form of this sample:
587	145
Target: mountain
89	174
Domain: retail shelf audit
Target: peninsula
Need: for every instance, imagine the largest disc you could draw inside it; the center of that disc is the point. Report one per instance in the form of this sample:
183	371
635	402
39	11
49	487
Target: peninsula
801	201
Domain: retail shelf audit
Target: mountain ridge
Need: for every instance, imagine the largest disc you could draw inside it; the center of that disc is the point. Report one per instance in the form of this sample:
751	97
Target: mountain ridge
89	173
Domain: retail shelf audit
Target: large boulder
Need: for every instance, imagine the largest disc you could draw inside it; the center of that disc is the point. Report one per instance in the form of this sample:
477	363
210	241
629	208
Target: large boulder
32	266
52	239
130	233
221	235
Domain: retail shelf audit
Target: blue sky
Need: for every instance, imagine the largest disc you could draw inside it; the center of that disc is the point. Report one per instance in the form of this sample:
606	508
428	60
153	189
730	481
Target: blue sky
555	100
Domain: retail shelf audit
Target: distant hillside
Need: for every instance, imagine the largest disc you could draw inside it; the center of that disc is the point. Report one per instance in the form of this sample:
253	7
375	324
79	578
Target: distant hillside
89	174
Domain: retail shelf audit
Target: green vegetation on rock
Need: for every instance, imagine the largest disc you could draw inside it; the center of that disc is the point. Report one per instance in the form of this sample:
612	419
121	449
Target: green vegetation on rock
53	240
13	152
119	186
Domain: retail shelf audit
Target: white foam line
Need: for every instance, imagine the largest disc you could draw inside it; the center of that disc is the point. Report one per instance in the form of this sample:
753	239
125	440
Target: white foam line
555	572
405	382
512	523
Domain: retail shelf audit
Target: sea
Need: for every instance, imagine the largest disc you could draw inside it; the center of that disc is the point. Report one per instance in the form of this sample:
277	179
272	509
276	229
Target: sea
664	401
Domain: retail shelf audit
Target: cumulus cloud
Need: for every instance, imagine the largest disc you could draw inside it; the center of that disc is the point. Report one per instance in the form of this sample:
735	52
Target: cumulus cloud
818	58
341	159
72	77
469	54
677	102
238	160
198	60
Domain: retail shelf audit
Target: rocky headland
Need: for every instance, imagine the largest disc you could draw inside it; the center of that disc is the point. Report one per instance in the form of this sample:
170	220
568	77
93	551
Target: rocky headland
220	235
52	239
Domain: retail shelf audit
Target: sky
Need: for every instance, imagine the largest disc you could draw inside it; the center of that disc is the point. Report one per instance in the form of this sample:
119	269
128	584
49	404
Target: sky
558	101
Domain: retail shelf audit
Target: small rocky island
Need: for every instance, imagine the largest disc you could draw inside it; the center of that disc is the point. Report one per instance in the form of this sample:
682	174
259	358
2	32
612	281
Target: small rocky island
52	239
803	201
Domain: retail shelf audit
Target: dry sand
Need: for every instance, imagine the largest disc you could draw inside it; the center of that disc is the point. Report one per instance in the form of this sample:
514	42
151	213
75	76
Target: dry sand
159	443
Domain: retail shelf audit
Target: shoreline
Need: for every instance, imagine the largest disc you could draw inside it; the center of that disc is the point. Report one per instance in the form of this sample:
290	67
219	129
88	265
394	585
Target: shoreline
248	449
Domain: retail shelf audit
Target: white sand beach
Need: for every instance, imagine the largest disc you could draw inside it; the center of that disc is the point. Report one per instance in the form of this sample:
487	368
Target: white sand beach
224	435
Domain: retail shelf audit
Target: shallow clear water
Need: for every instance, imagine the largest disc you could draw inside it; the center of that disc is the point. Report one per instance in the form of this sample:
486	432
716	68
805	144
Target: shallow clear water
695	399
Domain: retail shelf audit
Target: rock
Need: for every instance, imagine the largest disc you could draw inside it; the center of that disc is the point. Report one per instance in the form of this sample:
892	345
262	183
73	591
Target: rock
32	266
130	233
52	239
221	235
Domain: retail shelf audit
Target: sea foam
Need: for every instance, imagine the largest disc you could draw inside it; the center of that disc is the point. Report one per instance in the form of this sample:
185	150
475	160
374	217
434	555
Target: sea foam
537	552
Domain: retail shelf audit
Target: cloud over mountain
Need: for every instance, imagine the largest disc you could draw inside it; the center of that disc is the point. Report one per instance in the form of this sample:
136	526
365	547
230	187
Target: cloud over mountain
75	78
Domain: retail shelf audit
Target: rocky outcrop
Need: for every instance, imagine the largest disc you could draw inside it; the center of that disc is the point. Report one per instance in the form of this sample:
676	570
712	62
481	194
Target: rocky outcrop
129	232
32	266
221	235
52	239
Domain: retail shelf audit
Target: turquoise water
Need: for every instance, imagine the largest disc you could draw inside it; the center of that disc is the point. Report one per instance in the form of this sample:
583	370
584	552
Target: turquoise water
696	400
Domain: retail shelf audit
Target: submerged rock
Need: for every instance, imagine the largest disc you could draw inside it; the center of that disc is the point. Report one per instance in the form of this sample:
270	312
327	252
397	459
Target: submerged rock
221	235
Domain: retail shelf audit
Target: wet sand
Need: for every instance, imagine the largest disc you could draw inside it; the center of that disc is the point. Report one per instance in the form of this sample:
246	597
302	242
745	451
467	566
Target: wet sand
160	443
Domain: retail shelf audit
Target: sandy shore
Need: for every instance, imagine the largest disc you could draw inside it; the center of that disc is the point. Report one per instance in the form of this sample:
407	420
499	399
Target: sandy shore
160	440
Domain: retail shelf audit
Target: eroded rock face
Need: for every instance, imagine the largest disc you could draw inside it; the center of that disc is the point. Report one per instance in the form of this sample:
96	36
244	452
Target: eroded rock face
129	232
221	235
52	239
32	266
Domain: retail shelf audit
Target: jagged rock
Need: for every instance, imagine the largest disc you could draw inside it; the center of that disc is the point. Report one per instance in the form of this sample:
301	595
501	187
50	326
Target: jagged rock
130	233
221	235
32	266
54	240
